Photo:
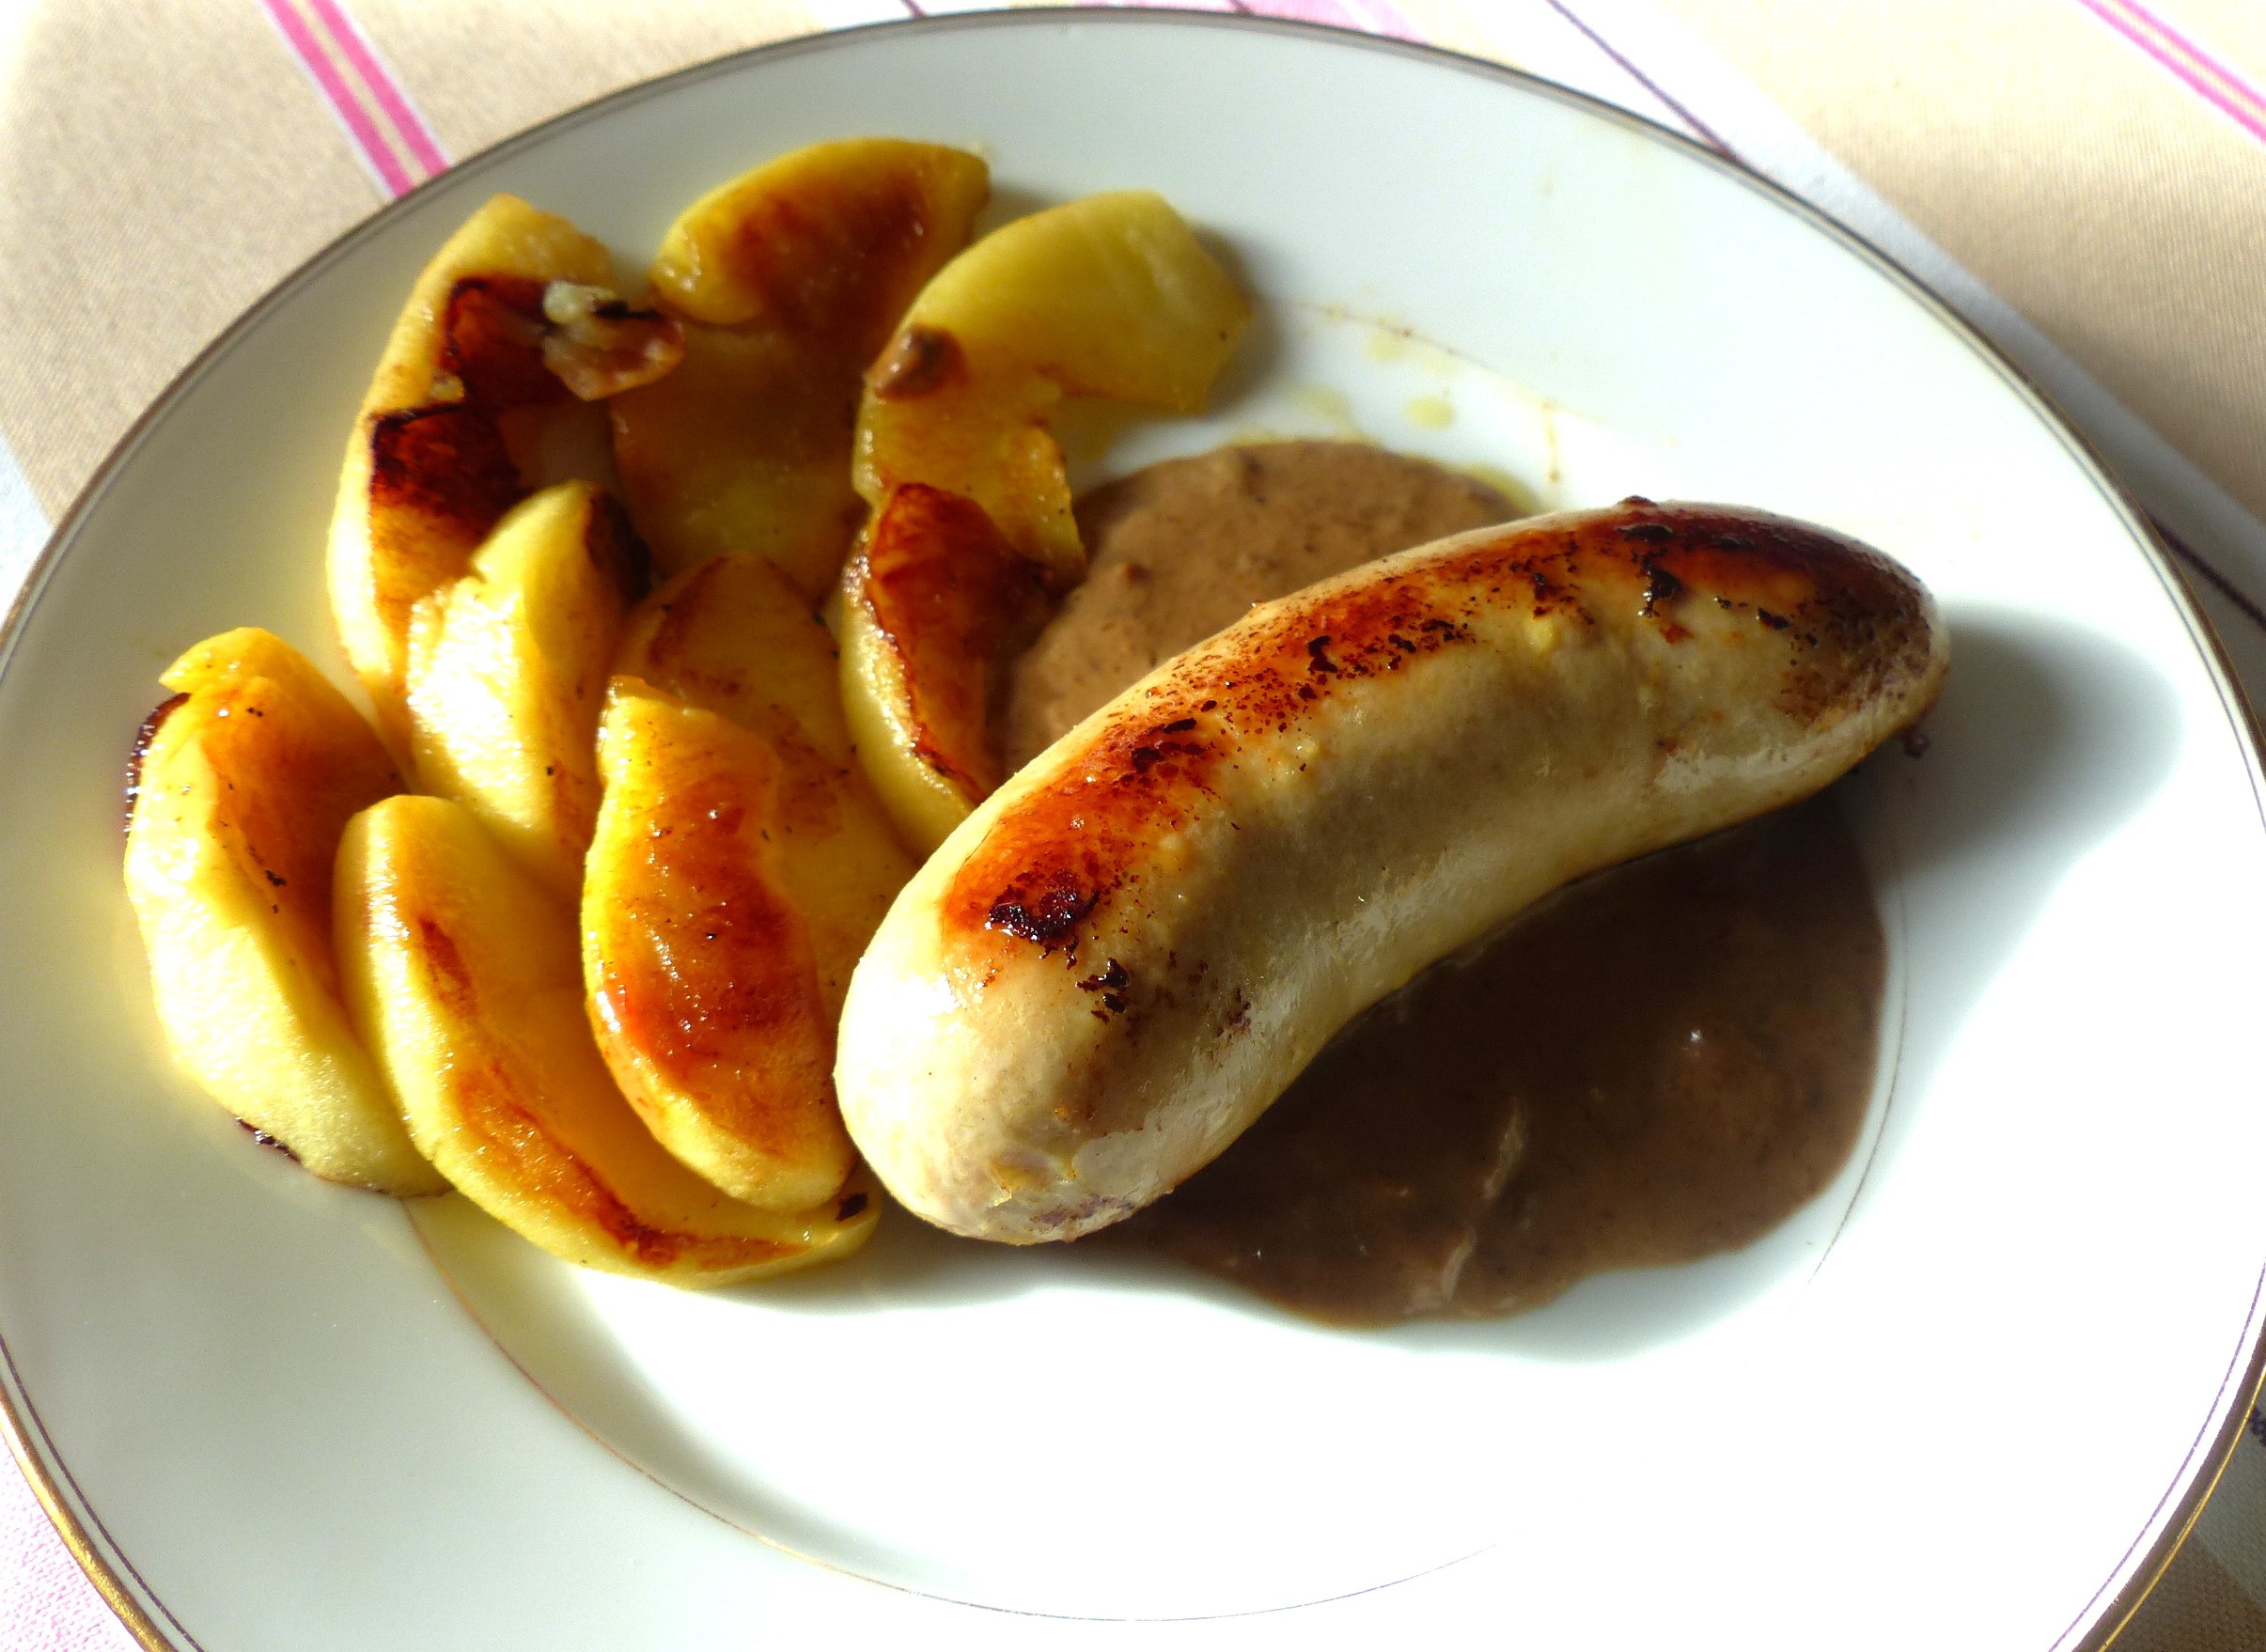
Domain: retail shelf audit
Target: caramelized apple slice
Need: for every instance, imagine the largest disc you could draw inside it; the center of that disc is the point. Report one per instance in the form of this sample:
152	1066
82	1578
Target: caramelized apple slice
704	990
935	606
741	865
833	238
1106	296
507	668
243	783
733	637
789	278
464	978
464	416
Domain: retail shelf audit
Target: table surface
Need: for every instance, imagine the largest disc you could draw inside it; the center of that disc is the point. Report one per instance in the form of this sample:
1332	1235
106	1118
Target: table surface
2084	180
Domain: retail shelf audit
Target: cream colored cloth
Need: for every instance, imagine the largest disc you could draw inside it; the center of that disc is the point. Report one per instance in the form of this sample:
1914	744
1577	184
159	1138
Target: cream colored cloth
2085	177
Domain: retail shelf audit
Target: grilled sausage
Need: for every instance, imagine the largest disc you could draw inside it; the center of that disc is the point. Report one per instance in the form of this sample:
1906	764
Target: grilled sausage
1115	965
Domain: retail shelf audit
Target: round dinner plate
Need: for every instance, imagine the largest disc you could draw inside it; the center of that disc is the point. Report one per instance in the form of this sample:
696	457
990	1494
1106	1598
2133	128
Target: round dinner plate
1970	1395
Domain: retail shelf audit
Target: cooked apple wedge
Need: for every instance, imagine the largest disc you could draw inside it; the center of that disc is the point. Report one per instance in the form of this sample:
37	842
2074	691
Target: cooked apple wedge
833	238
467	414
464	978
738	449
740	868
704	985
507	673
935	604
241	785
788	279
733	637
1107	296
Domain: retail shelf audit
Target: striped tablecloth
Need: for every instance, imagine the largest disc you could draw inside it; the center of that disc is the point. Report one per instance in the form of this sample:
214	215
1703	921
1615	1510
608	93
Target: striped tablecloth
2085	178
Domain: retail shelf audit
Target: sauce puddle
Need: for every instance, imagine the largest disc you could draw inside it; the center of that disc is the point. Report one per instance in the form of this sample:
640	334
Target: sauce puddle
1660	1063
1183	549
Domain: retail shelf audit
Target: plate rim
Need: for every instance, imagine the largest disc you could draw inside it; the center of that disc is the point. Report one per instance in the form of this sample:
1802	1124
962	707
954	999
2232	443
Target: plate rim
2177	1510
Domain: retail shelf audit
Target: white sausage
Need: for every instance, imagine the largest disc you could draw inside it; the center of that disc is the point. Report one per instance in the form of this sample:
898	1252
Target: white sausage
1113	967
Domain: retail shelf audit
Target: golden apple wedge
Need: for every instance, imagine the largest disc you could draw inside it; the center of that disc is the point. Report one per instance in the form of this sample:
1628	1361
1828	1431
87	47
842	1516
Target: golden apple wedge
704	986
935	606
241	785
787	279
731	636
1110	296
466	415
506	673
465	979
832	238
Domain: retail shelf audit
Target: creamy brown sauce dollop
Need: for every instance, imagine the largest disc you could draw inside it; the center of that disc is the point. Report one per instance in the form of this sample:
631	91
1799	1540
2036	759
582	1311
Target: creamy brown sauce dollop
1181	550
1662	1062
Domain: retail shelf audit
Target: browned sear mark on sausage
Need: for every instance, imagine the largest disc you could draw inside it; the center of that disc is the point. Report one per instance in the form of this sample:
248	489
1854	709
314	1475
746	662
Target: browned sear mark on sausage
1043	909
1660	586
1111	982
1073	842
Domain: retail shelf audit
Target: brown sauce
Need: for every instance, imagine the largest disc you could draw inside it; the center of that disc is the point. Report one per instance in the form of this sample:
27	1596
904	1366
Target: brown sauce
1660	1063
1181	550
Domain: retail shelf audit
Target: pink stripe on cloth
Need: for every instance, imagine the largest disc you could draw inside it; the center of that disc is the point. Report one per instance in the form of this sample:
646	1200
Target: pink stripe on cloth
1370	17
375	152
1162	4
2203	75
1383	18
2228	79
392	98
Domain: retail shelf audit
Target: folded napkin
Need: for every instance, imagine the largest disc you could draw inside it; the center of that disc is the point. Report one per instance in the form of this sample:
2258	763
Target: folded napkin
2082	177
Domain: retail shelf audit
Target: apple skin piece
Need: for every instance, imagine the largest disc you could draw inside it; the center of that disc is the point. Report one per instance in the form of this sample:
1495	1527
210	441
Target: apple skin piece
733	637
1109	295
241	787
704	990
597	344
787	279
935	606
461	410
464	978
507	670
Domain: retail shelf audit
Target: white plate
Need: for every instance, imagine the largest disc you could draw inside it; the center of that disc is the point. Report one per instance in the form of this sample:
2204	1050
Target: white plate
1969	1398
